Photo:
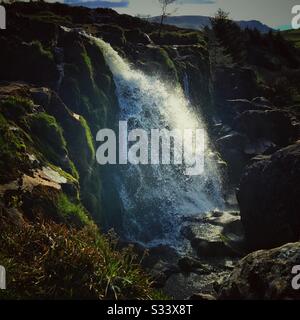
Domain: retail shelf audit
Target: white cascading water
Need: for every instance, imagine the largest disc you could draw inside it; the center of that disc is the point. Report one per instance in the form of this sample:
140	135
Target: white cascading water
154	197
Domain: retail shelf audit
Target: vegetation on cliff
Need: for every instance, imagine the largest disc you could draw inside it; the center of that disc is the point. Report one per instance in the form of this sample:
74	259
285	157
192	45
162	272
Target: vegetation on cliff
51	261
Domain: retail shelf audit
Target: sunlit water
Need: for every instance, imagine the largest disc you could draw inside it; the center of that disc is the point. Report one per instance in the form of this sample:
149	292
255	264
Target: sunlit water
155	196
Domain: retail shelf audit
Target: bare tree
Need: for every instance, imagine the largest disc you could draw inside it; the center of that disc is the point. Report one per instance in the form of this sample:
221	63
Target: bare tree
164	11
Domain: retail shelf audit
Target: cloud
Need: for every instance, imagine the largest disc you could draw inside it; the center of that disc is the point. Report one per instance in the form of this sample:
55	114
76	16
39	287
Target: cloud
98	3
197	1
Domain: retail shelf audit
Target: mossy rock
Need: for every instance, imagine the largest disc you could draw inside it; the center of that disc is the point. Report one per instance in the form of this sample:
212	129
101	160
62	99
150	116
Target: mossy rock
14	159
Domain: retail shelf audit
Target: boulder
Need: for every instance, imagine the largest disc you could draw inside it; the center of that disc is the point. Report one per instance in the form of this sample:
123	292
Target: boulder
217	248
273	125
214	234
269	200
264	275
189	264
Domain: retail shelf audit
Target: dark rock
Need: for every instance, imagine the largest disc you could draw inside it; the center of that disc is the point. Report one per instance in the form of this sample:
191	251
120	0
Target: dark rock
274	125
234	140
235	83
161	272
269	199
160	253
111	33
207	248
262	101
203	297
238	106
136	36
188	264
264	275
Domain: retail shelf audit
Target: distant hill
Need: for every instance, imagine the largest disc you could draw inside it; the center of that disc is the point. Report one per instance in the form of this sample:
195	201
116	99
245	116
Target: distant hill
293	36
199	22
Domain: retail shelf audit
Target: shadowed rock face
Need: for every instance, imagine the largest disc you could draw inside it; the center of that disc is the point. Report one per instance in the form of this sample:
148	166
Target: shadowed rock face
264	275
269	199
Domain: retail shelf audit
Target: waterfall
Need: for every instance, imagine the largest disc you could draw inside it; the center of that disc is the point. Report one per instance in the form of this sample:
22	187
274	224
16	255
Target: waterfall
186	85
155	197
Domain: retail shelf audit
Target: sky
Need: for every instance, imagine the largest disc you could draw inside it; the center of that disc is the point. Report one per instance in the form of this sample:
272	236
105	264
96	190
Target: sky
271	12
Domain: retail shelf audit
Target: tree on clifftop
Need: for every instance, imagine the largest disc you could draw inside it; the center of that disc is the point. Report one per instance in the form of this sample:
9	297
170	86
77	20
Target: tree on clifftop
164	11
229	34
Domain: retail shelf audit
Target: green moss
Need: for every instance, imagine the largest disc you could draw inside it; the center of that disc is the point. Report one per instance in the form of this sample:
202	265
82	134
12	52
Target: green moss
168	62
88	135
50	17
72	212
74	170
292	36
88	63
13	150
69	177
161	56
39	49
14	107
48	134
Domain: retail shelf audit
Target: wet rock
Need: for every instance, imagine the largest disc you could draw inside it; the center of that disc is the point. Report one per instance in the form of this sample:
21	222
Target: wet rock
161	271
161	252
182	286
189	264
264	275
203	297
218	248
215	234
269	200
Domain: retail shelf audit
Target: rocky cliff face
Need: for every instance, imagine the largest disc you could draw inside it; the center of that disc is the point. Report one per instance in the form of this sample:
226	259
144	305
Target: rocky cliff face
64	76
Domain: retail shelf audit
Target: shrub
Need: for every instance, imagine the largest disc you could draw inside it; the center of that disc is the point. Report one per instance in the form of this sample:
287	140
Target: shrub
50	261
177	37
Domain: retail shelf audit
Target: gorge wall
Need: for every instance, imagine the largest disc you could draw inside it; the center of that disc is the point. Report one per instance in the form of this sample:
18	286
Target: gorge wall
50	64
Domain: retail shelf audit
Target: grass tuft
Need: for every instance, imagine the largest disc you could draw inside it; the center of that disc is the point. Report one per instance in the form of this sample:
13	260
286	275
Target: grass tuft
51	261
